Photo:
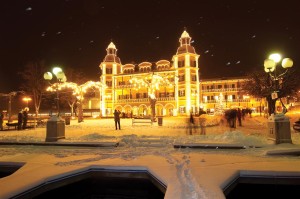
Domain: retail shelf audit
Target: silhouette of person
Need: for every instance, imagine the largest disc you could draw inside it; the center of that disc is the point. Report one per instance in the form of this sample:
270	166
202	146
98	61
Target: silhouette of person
20	120
1	120
25	118
239	116
117	119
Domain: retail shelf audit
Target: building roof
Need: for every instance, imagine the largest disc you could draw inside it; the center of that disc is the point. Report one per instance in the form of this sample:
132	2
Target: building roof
186	49
111	55
112	58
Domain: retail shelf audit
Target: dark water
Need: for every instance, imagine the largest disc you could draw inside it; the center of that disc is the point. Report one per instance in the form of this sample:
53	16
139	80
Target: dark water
107	188
245	191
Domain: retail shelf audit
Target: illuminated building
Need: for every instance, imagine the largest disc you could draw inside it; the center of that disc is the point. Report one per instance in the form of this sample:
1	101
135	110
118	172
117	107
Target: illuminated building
183	94
228	93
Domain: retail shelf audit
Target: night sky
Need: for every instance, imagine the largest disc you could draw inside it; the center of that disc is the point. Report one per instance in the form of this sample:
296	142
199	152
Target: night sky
232	37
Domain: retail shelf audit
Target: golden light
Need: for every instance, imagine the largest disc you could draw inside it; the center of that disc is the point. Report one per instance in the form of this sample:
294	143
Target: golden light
26	99
287	63
48	76
269	65
78	90
151	81
276	57
56	70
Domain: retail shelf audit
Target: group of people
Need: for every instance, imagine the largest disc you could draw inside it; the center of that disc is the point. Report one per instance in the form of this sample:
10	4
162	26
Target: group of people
194	125
234	115
22	119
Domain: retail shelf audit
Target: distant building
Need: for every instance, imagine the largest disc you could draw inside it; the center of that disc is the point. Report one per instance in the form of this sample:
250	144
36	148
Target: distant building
183	94
227	93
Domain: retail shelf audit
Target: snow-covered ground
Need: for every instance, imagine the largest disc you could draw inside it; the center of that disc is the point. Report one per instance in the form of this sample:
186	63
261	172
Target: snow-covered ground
187	172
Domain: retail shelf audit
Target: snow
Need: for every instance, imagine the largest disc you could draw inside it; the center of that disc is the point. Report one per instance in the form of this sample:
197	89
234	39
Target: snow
187	172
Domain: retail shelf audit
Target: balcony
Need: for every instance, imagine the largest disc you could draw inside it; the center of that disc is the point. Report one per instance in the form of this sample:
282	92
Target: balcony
226	101
160	99
221	90
124	86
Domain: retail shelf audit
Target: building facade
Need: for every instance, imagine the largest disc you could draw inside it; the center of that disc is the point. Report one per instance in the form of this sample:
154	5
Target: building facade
174	84
227	93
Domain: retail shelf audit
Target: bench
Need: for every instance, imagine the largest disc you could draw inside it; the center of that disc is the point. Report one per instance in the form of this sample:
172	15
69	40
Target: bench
12	124
30	124
142	120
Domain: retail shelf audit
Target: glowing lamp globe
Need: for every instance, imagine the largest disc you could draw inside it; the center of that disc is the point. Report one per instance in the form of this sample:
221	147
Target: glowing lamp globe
269	65
275	57
287	63
48	76
60	75
56	70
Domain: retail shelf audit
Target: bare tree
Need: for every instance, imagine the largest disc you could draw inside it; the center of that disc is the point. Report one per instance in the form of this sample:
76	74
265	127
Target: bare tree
34	83
67	96
259	84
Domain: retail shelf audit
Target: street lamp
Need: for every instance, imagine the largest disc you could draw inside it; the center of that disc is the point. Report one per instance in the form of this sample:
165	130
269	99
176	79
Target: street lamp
55	125
60	77
270	66
278	123
26	99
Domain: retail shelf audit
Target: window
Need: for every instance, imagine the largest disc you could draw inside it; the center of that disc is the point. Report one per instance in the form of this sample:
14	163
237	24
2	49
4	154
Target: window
161	94
219	86
181	64
181	93
194	78
181	109
193	63
181	78
108	83
108	70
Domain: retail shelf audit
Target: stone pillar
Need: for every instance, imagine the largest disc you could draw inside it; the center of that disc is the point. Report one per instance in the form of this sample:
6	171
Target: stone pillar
279	129
55	129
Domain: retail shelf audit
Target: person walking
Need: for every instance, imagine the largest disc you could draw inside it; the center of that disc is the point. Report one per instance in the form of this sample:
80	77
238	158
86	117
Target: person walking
117	119
239	116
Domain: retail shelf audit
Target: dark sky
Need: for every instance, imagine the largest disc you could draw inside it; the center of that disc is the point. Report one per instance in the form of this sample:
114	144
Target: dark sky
232	37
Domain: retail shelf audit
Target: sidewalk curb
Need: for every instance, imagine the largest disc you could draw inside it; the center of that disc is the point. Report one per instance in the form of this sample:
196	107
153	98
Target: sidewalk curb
77	144
213	146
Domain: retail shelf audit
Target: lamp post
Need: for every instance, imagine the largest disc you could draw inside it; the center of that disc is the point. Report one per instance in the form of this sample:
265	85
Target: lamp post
60	77
55	125
278	123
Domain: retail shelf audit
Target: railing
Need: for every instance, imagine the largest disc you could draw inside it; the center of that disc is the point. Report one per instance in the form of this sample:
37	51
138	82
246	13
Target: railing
226	101
132	100
221	90
166	99
144	100
124	86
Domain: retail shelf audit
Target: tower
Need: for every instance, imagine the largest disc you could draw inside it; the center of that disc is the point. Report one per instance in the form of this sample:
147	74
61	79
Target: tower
110	66
186	70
